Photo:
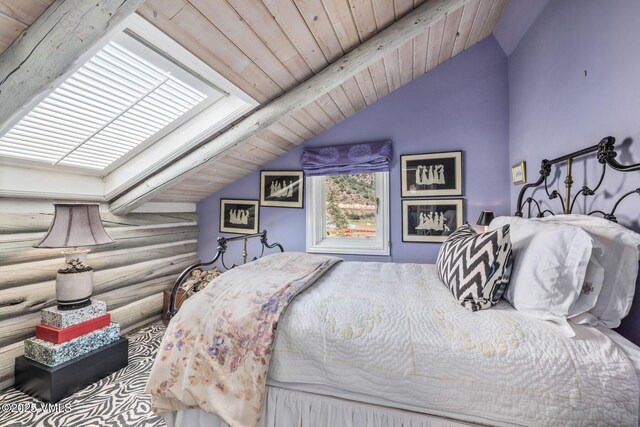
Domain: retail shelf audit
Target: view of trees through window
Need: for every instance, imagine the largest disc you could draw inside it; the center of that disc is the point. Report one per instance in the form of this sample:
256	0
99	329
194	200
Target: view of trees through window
351	205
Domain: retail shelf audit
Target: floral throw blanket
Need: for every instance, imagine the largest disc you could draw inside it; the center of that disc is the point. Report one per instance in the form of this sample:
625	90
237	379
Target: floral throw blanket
215	353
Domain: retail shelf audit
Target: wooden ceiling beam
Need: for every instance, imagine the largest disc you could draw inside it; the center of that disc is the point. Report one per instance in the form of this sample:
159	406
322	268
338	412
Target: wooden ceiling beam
331	77
51	47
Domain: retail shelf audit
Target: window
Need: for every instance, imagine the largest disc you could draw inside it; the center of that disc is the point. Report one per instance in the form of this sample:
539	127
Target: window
124	96
123	104
348	214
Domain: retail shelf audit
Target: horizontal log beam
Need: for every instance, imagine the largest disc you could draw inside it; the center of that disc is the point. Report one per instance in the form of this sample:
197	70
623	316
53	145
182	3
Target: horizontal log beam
123	296
32	298
18	328
370	51
136	312
13	223
8	356
21	249
51	47
41	271
134	327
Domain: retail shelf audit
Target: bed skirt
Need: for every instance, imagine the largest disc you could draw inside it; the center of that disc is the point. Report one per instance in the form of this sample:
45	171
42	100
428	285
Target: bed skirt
290	408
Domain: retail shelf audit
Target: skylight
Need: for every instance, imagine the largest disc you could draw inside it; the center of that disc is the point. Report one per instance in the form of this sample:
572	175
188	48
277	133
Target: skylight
121	100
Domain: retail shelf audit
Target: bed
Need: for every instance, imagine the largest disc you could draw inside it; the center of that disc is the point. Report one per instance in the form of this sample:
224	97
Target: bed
385	344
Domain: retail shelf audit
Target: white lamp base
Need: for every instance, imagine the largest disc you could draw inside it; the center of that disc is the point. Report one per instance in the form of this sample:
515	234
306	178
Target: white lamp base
74	288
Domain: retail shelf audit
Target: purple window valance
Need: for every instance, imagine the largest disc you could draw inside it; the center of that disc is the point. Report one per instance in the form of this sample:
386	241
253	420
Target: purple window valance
344	159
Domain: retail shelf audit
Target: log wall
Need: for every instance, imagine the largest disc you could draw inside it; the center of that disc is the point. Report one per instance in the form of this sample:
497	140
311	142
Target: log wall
149	252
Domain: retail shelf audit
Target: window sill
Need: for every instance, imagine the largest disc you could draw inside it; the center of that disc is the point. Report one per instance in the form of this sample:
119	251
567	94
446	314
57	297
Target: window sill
325	247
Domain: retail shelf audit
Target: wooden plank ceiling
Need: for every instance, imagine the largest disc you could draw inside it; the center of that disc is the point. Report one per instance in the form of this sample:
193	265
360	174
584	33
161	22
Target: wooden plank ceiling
266	47
16	16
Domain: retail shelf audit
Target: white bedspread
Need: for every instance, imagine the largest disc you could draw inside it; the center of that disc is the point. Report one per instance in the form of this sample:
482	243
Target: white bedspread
392	334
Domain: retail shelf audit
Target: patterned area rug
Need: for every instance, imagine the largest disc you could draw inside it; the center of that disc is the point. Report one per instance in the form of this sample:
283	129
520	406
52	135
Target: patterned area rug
117	400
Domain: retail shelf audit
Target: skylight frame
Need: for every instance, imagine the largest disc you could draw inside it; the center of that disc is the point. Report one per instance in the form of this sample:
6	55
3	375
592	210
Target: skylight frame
131	42
117	103
147	37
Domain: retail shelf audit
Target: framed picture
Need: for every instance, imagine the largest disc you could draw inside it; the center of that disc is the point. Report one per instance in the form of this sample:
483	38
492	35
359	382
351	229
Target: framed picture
431	174
519	173
283	189
430	220
239	216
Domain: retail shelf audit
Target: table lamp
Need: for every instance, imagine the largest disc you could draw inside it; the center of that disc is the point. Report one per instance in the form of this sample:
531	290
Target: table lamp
485	219
75	226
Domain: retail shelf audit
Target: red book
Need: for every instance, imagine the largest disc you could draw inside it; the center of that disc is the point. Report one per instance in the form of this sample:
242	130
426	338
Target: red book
57	336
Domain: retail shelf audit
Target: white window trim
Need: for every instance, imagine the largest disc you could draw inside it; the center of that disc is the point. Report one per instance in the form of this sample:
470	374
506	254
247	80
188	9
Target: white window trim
163	44
193	132
108	185
173	146
316	222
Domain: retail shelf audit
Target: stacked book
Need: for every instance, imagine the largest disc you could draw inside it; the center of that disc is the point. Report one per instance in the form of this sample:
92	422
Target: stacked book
65	335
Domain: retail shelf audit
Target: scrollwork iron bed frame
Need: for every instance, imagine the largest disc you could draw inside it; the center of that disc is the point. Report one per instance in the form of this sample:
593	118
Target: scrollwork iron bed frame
172	309
606	156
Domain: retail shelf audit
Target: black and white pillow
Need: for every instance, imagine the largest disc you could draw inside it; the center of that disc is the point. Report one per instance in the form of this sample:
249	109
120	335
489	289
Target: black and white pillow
476	267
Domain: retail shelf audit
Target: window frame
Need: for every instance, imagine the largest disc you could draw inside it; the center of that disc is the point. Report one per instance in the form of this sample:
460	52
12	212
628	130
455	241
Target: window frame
316	222
109	183
106	127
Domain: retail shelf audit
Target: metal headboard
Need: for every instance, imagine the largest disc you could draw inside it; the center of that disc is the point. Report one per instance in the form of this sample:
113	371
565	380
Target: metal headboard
606	155
222	248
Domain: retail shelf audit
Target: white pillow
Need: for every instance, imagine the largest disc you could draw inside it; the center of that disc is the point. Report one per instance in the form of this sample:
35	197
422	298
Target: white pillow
620	261
592	285
549	268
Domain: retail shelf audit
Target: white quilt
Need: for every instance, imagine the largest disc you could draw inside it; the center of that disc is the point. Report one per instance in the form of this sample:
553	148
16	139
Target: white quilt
392	334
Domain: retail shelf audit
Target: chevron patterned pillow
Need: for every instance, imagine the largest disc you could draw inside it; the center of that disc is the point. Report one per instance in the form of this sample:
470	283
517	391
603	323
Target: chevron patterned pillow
476	267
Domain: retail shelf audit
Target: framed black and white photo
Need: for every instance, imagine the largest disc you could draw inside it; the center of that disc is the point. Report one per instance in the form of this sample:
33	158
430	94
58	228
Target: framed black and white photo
431	174
239	216
519	173
430	220
283	189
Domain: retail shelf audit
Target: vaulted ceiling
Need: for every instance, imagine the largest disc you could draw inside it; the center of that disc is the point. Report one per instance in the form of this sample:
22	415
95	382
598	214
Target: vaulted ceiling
269	47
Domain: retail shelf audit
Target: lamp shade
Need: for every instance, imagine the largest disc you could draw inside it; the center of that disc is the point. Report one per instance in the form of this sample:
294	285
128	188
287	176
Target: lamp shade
75	225
485	218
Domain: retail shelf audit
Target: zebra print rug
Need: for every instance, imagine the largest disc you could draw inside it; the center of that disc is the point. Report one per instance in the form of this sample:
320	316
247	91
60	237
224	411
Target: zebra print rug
117	400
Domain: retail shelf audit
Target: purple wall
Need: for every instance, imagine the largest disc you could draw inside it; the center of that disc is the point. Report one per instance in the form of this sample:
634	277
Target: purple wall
516	20
462	104
555	109
539	105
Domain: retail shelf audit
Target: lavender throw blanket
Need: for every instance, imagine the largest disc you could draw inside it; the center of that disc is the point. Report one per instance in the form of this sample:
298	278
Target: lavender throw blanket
215	353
